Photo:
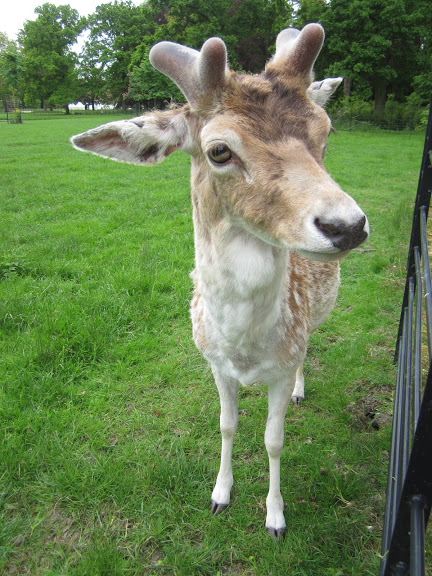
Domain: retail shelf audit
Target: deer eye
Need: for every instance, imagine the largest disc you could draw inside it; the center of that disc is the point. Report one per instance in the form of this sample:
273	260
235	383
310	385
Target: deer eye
220	154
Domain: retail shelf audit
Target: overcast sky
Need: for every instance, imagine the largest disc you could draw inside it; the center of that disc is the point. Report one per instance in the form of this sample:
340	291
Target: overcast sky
13	14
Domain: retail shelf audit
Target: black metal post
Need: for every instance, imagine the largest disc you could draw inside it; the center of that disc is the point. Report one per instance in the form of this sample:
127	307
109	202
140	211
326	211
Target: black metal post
417	525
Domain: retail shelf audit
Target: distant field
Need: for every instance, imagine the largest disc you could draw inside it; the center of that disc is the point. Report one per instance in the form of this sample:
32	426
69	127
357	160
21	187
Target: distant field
109	417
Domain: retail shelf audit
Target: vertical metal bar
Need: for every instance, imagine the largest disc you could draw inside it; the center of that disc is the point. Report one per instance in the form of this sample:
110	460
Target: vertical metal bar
401	569
426	277
399	473
406	389
417	524
391	493
417	383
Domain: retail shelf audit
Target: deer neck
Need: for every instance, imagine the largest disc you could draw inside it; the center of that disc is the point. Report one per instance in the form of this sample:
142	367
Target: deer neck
240	277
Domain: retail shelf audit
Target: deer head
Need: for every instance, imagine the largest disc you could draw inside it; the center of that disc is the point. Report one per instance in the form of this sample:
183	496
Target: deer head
257	145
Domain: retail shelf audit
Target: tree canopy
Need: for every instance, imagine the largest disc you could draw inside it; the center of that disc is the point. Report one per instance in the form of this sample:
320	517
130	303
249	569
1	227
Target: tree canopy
381	49
48	61
11	70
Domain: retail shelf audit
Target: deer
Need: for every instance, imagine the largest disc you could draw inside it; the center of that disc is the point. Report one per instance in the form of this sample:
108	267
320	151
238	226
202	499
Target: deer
270	224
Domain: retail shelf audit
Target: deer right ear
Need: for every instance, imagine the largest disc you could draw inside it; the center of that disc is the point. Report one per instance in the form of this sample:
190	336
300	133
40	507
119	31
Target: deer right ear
147	140
320	91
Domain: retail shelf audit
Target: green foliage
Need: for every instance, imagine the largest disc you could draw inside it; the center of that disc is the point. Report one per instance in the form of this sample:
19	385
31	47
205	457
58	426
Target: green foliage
11	70
395	116
373	44
378	48
116	29
309	11
17	116
49	63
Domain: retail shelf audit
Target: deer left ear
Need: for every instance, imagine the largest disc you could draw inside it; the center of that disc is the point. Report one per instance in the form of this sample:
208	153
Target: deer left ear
146	140
320	91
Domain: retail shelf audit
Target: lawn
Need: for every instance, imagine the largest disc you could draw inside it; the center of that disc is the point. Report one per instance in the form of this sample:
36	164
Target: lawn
109	416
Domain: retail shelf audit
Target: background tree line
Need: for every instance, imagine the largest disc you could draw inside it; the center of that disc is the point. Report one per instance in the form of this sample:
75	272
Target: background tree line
382	49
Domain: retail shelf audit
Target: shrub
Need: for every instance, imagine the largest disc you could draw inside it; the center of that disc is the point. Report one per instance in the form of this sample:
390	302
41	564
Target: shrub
16	117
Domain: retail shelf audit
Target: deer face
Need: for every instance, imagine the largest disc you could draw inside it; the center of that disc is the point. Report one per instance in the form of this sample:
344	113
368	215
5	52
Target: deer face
257	144
264	159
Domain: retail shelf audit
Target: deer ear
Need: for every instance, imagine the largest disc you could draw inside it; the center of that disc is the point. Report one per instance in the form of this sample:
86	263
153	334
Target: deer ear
147	140
320	91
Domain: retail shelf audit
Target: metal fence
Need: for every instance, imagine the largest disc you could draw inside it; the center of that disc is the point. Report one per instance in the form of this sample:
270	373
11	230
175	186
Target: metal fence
409	488
15	112
361	115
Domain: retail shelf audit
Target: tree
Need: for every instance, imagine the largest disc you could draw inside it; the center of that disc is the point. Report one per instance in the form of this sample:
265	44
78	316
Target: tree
11	70
49	62
91	76
115	31
254	26
423	74
373	44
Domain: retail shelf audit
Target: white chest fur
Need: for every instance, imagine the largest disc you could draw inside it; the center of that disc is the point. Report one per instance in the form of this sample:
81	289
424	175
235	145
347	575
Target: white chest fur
238	312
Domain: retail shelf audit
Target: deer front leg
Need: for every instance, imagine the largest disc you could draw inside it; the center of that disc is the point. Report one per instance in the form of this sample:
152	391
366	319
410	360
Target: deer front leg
279	396
228	392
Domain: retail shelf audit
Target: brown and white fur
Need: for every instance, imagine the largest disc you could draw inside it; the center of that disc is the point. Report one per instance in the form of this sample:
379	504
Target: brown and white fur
270	224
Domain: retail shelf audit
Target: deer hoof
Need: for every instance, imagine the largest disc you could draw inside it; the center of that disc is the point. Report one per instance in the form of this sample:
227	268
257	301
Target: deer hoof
217	508
297	400
276	533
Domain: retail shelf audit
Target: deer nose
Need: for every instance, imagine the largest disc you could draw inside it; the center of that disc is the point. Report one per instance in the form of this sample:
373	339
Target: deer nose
343	236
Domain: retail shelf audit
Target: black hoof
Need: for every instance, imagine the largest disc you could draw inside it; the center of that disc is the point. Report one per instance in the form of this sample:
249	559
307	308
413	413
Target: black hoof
297	400
276	534
217	508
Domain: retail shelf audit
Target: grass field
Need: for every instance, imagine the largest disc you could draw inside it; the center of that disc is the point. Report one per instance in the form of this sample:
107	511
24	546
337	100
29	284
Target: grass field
109	416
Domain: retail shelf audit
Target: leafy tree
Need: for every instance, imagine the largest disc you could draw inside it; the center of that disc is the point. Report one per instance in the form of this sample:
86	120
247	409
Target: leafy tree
422	82
116	29
49	62
372	44
309	11
254	26
91	76
11	70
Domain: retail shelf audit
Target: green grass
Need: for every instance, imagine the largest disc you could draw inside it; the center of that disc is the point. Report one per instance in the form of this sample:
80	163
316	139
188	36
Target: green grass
109	416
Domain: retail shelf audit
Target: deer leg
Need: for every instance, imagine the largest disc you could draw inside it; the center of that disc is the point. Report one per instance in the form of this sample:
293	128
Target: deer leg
228	392
298	394
279	396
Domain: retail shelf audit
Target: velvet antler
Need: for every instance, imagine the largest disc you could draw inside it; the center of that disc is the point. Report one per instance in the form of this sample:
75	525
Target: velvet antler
296	51
199	75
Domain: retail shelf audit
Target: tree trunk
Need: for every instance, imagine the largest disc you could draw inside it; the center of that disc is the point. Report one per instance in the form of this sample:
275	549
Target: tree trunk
380	97
67	109
347	86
